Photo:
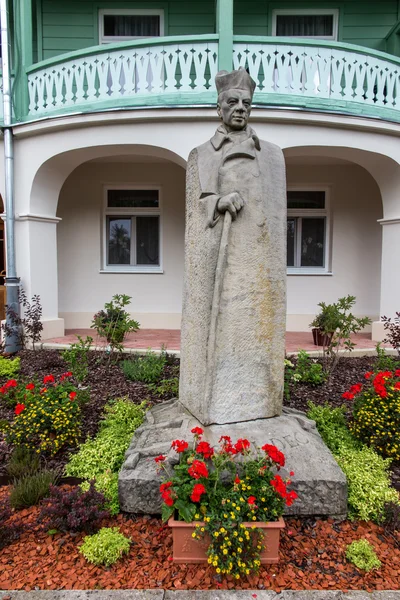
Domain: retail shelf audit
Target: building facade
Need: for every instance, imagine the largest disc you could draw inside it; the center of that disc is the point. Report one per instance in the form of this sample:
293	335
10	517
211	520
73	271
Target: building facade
111	96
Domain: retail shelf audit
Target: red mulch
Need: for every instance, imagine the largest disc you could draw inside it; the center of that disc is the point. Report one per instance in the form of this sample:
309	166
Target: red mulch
312	556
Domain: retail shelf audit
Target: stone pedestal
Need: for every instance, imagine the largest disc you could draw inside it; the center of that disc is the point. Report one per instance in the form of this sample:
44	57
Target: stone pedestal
319	482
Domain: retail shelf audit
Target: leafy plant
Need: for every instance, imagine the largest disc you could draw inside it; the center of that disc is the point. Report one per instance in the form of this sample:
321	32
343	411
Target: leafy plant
166	387
9	368
74	510
22	462
114	322
47	419
362	554
337	325
332	427
77	357
30	325
308	370
106	451
392	329
384	361
29	490
376	412
9	532
107	484
105	547
147	368
288	378
214	487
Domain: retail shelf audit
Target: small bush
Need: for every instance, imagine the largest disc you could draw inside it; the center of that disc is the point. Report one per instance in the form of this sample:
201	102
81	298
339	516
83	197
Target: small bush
376	415
166	387
114	322
74	509
392	329
363	555
9	532
77	357
147	368
107	450
308	370
29	490
332	427
384	361
369	483
107	484
105	547
9	368
22	462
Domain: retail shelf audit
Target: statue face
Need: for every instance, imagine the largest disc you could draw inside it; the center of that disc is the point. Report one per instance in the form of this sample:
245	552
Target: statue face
234	107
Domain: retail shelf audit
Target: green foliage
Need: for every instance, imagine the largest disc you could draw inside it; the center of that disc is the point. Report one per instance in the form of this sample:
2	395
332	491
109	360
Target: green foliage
332	427
22	462
105	547
362	554
29	490
308	370
101	458
47	420
368	481
384	361
336	319
147	368
376	415
166	387
107	484
9	368
114	322
76	358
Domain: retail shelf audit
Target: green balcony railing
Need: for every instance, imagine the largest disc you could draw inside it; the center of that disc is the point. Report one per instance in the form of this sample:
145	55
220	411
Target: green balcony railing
175	71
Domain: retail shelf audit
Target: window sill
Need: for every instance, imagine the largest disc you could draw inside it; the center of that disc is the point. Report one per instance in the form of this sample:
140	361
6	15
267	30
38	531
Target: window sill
308	272
134	270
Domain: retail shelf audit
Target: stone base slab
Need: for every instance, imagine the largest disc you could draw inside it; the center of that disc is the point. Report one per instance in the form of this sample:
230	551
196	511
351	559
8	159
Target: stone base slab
319	481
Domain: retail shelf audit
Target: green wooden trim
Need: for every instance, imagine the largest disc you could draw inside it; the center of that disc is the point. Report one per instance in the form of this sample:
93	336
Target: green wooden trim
23	48
286	41
224	22
395	29
39	21
106	48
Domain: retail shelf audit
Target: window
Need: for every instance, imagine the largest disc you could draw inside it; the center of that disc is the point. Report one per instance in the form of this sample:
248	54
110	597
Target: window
318	23
132	230
118	25
307	231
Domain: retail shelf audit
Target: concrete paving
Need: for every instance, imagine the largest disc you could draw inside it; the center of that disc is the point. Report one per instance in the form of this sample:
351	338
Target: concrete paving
198	595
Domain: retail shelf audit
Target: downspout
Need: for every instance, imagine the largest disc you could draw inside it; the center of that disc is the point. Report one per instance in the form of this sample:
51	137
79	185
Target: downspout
12	342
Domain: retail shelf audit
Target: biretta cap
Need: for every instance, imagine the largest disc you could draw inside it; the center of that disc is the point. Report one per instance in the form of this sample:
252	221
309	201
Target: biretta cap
240	79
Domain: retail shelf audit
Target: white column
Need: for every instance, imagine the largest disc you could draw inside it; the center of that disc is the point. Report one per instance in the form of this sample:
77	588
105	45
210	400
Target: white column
390	274
36	243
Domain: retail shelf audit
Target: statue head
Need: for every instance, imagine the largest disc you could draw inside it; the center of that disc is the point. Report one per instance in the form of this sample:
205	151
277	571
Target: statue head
235	93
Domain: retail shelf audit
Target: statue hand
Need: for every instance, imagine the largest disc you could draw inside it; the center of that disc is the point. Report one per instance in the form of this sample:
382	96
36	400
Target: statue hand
232	202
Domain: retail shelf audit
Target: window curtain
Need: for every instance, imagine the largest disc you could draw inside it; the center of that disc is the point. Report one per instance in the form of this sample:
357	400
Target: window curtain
132	25
304	25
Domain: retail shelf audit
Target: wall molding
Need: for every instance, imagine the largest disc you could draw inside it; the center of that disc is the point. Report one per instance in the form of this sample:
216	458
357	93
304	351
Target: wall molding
392	221
38	218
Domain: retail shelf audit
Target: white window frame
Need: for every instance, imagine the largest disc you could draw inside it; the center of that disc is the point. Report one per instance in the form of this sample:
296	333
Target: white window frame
309	11
109	39
130	212
312	212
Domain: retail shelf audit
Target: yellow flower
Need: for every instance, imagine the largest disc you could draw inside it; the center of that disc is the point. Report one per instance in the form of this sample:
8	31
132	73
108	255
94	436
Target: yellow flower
218	570
209	560
196	516
193	535
215	563
216	533
225	551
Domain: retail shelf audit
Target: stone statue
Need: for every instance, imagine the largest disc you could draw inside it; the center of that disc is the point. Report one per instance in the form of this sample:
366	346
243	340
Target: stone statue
234	301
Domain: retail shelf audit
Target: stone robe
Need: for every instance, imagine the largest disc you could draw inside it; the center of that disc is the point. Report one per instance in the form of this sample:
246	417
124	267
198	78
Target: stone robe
248	356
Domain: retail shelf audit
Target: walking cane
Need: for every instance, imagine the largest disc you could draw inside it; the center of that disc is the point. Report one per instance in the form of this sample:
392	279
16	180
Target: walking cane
219	276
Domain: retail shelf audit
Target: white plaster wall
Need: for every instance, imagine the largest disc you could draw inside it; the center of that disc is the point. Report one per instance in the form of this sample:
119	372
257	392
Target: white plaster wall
83	290
355	245
356	241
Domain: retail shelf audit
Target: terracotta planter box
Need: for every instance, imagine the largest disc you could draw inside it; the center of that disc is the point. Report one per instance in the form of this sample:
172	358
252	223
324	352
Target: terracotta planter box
188	550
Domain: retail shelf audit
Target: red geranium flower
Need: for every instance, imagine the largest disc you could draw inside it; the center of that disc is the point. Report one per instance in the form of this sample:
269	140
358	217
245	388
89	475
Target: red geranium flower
279	485
274	454
368	374
290	498
2	390
237	480
197	431
348	396
48	379
19	408
197	492
198	469
205	449
30	386
179	445
397	385
356	388
160	458
72	395
251	499
242	445
11	383
397	373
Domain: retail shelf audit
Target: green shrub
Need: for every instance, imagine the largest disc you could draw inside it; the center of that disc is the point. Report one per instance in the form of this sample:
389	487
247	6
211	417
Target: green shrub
105	547
9	368
107	484
384	361
106	451
147	368
307	370
29	490
376	415
114	322
77	357
22	462
362	554
166	387
332	427
368	481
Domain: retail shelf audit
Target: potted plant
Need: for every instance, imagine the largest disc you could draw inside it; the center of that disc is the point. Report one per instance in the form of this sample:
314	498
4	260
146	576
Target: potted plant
114	322
225	506
325	324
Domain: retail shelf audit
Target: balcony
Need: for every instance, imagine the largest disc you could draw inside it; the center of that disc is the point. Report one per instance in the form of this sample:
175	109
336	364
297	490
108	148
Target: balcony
180	71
